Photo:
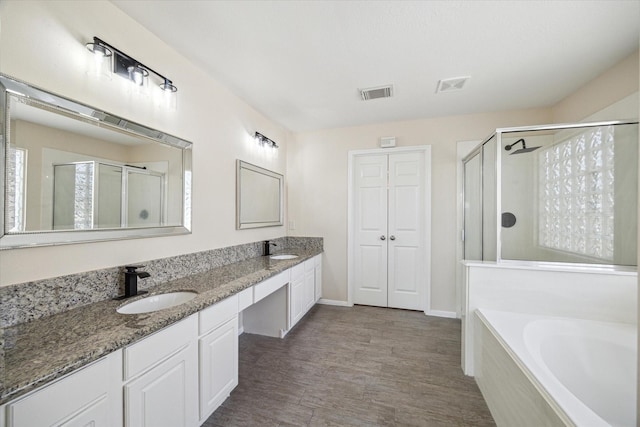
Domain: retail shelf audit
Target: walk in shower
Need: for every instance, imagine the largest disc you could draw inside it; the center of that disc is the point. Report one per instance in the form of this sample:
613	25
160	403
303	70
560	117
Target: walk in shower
554	193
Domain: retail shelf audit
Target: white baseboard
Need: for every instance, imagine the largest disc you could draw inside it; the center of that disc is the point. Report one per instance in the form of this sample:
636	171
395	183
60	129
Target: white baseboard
441	313
333	302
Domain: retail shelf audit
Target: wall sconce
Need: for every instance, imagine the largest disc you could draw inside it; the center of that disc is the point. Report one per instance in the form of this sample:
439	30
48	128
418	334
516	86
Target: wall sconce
128	67
264	141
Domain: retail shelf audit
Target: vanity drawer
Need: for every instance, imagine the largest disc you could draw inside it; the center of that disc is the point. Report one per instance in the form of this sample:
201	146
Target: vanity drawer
270	285
245	299
155	348
218	313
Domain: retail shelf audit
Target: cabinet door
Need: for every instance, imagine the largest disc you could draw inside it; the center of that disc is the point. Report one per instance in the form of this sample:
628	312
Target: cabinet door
309	289
167	395
297	300
218	366
318	281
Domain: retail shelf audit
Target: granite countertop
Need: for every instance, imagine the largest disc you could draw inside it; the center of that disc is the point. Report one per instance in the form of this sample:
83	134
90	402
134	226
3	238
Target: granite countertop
40	351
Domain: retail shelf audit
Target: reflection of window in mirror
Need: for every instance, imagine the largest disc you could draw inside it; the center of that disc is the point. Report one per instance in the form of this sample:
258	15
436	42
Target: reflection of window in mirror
16	175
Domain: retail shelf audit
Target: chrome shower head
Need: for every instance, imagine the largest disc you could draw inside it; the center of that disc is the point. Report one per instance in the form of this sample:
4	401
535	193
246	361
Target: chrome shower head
524	148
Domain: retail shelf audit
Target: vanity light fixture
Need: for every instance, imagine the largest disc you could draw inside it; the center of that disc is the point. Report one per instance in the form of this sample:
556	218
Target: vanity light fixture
128	67
264	141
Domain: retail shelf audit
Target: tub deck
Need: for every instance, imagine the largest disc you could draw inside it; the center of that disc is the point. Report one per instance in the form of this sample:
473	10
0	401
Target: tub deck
517	362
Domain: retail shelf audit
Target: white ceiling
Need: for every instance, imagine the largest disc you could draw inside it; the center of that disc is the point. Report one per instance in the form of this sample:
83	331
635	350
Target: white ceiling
301	63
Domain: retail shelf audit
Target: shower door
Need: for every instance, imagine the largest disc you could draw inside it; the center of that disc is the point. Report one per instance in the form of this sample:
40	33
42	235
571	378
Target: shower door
144	198
473	208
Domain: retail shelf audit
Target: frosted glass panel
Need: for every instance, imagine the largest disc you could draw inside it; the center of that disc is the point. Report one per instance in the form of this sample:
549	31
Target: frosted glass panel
144	200
109	209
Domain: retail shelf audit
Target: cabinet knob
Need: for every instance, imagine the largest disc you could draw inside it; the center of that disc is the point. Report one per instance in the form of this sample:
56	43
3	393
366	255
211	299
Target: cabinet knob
392	237
383	238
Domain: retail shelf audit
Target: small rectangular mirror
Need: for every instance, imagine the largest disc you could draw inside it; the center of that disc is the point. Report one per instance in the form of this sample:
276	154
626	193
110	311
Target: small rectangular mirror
258	196
77	174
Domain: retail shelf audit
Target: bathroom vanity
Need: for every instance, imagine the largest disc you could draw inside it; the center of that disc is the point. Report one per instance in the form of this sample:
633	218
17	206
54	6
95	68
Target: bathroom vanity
173	367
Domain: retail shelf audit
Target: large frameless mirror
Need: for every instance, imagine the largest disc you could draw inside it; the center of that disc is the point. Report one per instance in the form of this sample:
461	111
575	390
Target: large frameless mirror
258	196
77	174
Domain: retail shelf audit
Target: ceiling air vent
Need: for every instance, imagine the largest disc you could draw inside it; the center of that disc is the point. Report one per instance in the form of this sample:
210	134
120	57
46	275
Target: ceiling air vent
376	92
452	84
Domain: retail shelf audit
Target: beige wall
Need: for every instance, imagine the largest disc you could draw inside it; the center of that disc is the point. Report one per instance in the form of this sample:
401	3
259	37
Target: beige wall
218	123
317	168
617	83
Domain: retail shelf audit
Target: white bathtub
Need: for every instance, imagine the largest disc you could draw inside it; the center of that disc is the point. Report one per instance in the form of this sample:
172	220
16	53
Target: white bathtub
586	369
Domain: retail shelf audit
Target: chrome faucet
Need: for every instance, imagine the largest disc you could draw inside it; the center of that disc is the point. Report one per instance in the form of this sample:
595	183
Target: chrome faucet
131	280
267	247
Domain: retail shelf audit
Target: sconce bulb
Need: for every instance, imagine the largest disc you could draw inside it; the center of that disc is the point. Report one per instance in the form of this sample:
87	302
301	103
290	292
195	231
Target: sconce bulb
167	86
264	141
137	74
98	50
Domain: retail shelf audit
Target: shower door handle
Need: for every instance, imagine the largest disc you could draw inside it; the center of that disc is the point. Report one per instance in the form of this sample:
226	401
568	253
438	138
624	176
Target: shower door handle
392	237
383	238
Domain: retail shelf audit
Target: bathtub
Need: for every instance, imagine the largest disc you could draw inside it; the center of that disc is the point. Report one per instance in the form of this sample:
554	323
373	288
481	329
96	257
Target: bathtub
584	370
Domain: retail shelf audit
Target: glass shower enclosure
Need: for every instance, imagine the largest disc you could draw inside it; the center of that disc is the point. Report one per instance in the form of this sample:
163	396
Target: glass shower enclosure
563	193
97	195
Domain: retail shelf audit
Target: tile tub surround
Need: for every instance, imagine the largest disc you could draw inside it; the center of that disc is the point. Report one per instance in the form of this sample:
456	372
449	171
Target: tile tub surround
44	349
29	301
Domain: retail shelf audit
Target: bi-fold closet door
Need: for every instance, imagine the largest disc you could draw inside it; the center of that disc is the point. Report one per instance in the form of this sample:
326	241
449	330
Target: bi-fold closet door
389	220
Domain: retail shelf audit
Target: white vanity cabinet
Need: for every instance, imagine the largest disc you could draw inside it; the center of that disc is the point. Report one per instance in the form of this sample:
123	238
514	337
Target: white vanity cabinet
90	396
177	376
305	287
218	351
161	374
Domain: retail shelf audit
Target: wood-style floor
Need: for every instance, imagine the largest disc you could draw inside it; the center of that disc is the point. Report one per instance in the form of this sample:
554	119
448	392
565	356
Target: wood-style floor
360	366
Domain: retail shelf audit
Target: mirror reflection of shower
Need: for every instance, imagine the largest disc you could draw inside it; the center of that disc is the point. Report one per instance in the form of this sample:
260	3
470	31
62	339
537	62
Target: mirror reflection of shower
98	195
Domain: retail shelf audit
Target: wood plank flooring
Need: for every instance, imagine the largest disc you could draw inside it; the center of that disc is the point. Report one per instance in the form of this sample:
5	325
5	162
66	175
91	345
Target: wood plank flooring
360	366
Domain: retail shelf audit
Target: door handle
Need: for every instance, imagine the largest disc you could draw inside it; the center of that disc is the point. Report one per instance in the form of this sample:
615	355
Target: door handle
383	238
392	237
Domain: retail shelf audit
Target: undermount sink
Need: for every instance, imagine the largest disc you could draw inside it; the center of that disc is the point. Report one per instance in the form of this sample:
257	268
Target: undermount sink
284	256
157	302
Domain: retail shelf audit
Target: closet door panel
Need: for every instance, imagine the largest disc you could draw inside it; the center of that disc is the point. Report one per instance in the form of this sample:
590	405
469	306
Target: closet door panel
370	182
406	217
